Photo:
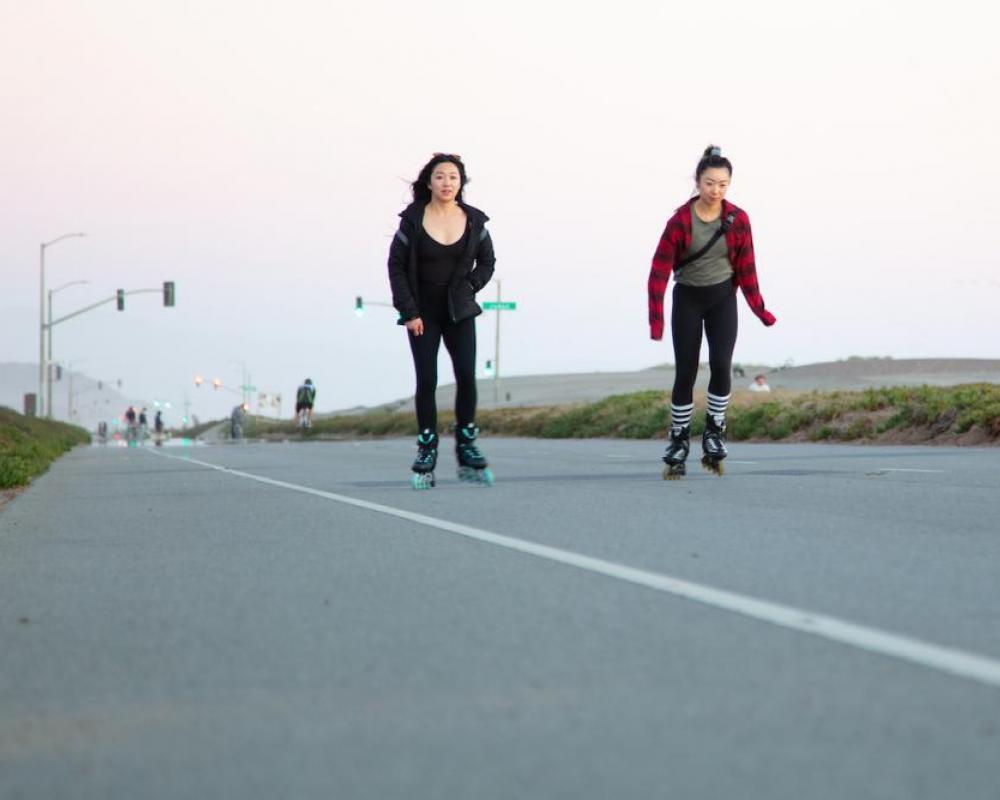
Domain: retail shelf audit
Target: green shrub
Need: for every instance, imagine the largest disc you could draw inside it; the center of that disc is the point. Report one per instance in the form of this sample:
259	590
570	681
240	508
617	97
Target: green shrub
28	445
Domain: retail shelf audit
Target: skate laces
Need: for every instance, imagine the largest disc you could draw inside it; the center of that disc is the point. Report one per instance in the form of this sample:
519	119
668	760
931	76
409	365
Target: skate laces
469	432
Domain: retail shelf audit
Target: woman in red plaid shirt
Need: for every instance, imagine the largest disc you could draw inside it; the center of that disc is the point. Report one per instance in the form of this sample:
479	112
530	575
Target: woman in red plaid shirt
708	247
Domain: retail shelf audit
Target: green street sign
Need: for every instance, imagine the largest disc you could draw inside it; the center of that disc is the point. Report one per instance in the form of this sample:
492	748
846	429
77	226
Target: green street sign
507	306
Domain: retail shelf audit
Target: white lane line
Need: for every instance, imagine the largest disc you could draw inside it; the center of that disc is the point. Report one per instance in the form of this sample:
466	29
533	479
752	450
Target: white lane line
903	469
955	662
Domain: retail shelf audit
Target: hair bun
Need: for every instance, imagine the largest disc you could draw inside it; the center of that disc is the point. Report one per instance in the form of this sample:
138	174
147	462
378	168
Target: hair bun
712	151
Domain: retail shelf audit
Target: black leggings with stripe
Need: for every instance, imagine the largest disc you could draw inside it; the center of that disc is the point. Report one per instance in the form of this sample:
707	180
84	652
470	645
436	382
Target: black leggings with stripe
714	309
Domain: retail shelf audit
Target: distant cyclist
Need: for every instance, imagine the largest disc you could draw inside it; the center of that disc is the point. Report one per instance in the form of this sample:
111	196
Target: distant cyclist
304	399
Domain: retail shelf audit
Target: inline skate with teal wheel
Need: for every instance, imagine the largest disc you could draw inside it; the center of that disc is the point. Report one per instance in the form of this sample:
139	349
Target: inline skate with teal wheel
472	464
426	461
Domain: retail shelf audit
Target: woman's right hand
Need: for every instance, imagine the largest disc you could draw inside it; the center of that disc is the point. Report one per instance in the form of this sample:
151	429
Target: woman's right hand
415	326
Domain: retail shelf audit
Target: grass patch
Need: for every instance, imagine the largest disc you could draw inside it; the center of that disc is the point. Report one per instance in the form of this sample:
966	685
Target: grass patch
28	445
922	412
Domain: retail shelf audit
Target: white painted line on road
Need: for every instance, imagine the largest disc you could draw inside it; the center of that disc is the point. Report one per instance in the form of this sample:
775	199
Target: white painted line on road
924	654
903	469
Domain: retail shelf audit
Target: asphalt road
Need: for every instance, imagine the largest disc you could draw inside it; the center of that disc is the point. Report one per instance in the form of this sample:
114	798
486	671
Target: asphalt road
292	620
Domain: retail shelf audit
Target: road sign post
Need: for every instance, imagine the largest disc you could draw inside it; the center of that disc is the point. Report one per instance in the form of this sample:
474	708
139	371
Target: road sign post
498	306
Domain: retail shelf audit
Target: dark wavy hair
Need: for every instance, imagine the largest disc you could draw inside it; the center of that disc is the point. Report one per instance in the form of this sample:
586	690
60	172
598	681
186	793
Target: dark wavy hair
421	193
712	157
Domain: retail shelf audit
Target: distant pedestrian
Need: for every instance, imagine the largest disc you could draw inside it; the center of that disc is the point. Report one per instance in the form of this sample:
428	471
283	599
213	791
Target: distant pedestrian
305	397
440	257
237	421
131	425
708	246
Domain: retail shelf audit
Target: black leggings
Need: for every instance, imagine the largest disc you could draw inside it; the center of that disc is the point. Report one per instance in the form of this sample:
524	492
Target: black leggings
715	308
460	340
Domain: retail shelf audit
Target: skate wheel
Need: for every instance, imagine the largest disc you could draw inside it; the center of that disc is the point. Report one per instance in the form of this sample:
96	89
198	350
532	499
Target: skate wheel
674	472
713	466
422	480
482	476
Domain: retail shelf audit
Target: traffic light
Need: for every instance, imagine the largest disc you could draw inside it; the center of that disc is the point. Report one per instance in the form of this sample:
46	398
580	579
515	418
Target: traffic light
359	306
489	366
216	383
121	299
58	372
198	380
168	294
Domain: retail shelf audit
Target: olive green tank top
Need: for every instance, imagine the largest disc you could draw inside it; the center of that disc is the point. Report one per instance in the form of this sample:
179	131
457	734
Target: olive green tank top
714	266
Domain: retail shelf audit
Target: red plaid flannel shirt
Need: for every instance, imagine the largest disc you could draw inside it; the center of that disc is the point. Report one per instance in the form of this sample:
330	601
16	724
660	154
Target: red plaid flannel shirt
675	242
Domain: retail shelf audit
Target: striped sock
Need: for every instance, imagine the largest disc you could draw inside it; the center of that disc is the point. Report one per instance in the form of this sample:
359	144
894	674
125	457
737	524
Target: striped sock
717	408
681	415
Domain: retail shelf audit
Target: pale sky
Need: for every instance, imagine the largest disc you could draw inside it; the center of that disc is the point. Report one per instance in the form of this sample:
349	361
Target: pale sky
257	154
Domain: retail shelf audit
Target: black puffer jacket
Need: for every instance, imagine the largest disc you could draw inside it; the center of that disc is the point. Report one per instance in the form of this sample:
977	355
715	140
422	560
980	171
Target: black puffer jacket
472	273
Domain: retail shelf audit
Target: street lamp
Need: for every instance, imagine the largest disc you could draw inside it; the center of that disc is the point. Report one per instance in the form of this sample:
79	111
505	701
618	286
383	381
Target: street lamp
41	311
48	360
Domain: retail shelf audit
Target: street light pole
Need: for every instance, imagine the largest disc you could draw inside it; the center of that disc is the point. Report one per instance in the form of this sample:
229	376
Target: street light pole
41	312
48	360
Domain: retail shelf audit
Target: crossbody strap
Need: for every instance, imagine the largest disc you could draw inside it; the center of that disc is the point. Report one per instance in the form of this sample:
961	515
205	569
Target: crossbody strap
727	223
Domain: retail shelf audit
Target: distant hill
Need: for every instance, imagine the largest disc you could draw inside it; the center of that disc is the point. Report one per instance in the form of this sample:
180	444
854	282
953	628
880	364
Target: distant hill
852	373
91	402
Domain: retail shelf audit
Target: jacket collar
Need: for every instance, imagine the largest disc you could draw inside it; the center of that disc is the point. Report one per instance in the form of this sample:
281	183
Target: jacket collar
414	212
686	210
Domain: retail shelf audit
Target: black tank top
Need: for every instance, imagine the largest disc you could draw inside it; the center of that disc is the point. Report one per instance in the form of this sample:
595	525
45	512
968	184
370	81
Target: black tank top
436	262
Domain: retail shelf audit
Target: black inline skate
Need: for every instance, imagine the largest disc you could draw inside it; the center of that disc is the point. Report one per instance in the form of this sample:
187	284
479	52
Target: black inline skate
713	444
677	453
423	467
472	465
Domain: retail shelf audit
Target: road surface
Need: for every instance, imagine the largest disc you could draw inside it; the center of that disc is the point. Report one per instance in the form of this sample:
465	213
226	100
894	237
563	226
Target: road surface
292	620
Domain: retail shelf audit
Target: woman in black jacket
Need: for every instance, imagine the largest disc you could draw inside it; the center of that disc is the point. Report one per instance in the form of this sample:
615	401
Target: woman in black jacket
440	257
